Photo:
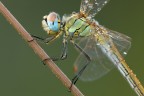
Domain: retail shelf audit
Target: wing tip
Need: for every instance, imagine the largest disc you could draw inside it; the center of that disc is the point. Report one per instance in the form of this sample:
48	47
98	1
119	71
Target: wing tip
75	68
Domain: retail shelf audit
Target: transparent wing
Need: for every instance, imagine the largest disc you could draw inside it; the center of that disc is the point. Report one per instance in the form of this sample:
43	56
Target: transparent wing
100	64
91	7
121	41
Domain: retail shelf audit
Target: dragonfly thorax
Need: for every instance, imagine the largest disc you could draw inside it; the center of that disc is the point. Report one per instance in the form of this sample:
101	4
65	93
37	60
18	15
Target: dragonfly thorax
78	26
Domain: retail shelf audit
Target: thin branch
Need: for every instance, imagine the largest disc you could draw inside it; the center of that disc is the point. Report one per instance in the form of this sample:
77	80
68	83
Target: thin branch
38	50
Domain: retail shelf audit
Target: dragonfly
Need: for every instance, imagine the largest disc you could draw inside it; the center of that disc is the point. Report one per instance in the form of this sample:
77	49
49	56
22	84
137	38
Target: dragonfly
101	49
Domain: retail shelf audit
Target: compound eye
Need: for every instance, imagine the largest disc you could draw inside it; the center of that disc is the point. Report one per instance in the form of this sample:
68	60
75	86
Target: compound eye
52	21
52	16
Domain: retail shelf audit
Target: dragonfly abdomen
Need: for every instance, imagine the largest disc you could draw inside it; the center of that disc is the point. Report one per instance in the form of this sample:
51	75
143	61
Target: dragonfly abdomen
76	27
124	69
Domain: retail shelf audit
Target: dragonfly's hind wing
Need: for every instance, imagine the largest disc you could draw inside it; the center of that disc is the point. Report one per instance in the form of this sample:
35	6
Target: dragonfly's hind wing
100	63
121	41
99	52
91	7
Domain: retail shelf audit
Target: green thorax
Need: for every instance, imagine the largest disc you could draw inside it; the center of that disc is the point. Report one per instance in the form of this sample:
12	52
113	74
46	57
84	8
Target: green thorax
77	26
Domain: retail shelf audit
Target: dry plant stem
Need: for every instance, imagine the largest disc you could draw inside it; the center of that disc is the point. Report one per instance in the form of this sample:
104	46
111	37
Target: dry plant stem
38	50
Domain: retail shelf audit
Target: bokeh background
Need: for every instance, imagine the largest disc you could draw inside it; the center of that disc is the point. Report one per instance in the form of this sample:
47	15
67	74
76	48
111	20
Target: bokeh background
22	72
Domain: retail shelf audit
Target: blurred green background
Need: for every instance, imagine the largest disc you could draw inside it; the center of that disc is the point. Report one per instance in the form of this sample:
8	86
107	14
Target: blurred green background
22	72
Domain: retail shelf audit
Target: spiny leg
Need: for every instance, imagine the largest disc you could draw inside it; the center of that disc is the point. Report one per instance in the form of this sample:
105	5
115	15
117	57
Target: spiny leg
76	77
49	39
64	51
44	40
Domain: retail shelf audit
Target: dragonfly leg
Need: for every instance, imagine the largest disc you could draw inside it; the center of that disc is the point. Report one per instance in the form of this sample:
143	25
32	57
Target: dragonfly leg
44	40
64	51
76	77
49	39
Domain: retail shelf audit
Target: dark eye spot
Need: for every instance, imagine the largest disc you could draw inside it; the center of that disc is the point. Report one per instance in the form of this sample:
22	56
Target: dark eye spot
58	17
45	19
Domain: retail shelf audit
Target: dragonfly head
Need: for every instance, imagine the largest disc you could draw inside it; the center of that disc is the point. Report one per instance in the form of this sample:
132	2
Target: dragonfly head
51	23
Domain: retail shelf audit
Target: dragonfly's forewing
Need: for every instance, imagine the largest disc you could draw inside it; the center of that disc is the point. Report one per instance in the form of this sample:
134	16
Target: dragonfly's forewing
100	64
91	7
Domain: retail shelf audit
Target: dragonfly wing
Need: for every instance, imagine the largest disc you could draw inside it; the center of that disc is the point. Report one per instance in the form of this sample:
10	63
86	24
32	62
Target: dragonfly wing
121	41
91	7
99	53
100	64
